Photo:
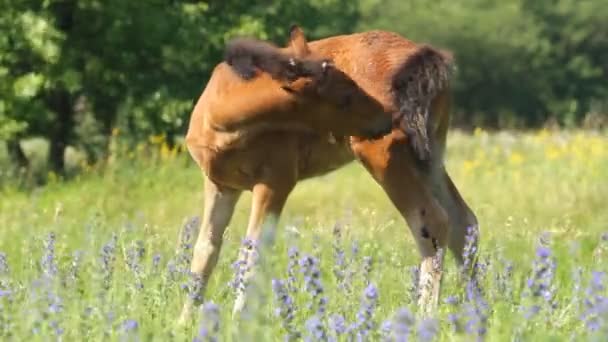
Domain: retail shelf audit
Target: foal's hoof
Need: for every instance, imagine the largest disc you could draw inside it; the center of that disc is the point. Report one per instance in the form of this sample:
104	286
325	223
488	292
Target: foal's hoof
239	304
427	308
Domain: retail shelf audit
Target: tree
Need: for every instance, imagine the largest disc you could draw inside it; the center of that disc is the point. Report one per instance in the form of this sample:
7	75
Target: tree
519	62
74	70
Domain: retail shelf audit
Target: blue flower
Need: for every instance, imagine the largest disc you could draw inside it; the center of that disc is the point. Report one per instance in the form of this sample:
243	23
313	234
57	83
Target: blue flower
3	264
48	264
285	308
210	323
365	323
428	329
337	323
595	314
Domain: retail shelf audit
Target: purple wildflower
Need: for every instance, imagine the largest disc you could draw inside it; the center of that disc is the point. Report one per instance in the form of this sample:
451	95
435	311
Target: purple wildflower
401	326
54	307
595	314
309	266
184	252
385	330
415	281
172	270
316	330
75	265
337	324
428	329
194	287
55	304
129	325
473	316
128	330
56	328
367	269
577	275
240	267
4	269
503	280
543	252
470	247
476	310
365	323
156	261
293	255
539	284
285	309
48	263
107	260
135	254
210	323
451	300
339	268
354	250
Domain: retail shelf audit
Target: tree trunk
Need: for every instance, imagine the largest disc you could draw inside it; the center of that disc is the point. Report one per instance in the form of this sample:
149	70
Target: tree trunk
16	154
60	102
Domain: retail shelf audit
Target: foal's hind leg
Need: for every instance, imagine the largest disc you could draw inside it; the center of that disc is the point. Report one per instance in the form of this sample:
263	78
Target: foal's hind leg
218	209
463	221
390	162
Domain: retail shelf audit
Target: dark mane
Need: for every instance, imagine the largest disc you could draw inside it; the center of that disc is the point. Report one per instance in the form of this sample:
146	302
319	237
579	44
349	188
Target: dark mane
247	56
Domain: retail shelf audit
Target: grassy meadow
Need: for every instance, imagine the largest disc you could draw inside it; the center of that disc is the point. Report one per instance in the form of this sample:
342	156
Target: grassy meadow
105	255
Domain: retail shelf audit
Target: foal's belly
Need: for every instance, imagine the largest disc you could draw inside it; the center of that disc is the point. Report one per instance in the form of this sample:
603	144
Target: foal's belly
275	155
319	155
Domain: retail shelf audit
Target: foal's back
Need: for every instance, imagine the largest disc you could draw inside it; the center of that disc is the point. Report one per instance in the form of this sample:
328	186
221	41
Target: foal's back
370	58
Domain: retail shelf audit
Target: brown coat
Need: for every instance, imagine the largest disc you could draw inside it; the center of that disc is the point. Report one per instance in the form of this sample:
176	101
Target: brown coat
270	117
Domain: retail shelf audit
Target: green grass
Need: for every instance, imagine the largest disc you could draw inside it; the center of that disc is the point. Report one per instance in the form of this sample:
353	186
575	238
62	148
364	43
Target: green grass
521	186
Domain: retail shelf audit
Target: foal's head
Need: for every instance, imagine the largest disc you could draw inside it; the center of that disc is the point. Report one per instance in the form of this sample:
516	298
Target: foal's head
326	91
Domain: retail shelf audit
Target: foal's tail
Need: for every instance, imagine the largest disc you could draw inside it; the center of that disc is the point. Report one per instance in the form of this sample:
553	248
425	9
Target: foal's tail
248	56
423	75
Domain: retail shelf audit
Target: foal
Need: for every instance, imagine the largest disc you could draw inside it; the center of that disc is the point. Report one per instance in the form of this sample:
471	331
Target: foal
408	84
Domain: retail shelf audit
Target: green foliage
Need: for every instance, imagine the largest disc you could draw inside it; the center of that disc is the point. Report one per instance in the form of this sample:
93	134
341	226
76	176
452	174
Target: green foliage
135	65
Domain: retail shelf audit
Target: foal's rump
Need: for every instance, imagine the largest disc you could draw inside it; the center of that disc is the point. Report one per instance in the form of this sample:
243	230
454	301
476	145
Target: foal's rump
398	73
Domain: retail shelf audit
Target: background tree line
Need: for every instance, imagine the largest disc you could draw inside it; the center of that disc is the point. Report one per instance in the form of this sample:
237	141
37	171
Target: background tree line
71	71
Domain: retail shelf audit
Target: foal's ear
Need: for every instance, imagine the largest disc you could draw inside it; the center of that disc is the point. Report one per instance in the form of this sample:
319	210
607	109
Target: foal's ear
298	42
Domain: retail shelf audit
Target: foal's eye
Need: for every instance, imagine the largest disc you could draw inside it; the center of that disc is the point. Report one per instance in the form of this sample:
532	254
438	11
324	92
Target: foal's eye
326	64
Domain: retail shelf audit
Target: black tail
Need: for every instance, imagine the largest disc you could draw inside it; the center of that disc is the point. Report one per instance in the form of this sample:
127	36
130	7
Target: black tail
246	56
423	75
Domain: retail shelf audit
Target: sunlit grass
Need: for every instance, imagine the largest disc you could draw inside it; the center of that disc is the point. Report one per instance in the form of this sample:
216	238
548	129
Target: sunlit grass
522	186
